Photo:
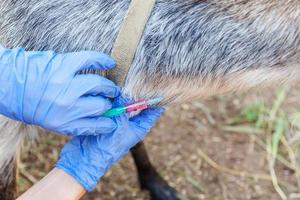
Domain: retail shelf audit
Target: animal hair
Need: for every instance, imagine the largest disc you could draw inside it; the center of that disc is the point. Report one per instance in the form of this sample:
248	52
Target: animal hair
189	49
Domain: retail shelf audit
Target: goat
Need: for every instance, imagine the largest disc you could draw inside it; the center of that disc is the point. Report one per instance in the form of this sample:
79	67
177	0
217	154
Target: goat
189	49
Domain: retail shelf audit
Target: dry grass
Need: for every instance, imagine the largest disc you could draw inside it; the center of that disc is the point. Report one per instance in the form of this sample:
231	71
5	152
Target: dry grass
274	130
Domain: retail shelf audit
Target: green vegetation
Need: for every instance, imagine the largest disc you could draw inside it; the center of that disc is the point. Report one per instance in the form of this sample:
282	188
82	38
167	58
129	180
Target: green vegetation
275	129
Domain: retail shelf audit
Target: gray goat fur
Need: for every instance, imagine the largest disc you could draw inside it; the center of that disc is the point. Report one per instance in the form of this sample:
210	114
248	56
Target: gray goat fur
190	48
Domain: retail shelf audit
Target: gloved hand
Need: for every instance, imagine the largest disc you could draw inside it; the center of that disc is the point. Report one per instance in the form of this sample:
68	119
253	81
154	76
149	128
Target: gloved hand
45	89
87	158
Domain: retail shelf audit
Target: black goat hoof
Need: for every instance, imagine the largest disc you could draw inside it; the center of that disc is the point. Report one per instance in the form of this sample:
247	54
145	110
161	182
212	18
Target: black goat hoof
165	192
160	190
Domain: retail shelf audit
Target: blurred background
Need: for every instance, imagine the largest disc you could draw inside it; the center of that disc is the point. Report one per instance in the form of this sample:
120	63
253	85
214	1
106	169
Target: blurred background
228	147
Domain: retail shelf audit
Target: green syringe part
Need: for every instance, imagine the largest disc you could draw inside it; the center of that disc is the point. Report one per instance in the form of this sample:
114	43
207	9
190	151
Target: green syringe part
114	112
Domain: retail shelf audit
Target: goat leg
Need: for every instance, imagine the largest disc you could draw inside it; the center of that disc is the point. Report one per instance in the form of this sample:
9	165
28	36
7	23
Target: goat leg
149	178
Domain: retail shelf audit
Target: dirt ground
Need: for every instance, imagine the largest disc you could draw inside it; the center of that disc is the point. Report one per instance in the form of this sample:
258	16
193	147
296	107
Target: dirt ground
191	150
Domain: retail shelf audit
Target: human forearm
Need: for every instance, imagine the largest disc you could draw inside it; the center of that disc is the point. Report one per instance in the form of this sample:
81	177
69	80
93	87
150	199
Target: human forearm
56	185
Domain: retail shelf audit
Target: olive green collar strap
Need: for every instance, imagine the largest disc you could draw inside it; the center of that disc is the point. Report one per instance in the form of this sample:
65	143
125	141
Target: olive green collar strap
129	37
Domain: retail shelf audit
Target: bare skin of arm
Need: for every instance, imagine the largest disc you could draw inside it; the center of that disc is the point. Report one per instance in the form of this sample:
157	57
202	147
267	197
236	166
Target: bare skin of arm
56	185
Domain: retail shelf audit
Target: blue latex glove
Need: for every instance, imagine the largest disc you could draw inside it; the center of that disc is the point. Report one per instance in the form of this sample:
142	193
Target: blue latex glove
87	158
45	89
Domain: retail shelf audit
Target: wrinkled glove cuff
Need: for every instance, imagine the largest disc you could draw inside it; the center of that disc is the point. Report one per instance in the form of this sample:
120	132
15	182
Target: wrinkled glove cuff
88	185
84	166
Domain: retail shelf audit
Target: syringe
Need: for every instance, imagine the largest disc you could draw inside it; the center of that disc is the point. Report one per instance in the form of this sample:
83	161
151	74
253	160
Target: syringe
128	108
